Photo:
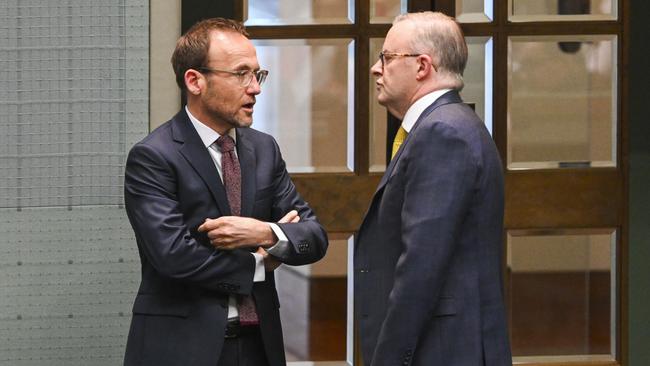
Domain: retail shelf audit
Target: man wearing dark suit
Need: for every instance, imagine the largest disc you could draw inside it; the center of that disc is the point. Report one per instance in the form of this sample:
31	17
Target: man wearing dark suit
427	260
201	193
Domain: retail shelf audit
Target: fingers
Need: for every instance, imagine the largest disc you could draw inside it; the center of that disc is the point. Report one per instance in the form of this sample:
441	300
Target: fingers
210	224
262	252
291	217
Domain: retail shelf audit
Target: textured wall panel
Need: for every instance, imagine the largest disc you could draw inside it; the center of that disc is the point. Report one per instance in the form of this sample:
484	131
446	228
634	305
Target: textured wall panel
73	99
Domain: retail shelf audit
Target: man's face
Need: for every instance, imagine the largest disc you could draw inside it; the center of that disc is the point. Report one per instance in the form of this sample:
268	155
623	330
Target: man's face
225	100
396	81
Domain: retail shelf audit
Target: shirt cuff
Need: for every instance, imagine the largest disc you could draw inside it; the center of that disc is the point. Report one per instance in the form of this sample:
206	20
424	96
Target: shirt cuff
260	274
282	239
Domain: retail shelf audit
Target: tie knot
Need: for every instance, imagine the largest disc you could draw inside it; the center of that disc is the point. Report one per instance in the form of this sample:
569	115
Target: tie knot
226	143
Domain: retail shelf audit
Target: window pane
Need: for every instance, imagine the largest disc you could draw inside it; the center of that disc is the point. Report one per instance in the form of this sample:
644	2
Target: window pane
562	102
378	116
315	305
562	291
478	78
307	103
536	10
474	11
287	12
384	11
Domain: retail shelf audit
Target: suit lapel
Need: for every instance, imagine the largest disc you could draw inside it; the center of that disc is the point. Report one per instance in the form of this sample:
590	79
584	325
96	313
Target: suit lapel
198	157
248	166
447	98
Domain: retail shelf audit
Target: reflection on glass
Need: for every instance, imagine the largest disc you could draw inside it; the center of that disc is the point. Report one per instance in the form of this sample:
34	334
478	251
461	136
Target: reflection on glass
478	78
561	292
287	12
314	305
477	92
536	10
474	11
384	11
378	116
307	102
562	102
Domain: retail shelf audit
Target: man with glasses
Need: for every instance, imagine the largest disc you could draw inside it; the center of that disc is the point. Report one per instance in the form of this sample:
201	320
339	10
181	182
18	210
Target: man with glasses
214	212
428	284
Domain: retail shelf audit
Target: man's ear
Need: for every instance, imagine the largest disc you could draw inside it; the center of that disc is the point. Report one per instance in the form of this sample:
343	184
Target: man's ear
194	81
425	66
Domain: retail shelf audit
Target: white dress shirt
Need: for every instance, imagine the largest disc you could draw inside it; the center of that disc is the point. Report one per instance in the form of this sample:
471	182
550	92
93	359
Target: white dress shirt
209	138
416	109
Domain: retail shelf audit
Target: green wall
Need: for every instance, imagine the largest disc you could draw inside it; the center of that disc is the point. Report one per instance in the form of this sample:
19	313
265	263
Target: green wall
639	187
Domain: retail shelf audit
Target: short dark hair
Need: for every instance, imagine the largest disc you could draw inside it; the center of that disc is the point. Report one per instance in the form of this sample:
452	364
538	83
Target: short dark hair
192	47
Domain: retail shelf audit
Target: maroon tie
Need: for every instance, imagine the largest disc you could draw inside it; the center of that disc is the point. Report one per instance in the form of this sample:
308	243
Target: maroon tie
232	182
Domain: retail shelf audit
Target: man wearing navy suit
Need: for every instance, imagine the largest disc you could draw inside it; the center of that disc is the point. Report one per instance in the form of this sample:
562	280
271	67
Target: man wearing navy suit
214	212
428	284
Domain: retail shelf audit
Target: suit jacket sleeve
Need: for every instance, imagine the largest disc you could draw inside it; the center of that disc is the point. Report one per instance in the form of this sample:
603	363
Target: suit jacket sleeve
307	238
438	184
153	208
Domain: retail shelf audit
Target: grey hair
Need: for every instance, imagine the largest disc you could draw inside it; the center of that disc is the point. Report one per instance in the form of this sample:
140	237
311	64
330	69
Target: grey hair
440	37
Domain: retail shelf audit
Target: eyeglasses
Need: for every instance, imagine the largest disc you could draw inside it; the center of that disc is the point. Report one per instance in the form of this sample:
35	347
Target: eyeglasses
245	76
385	56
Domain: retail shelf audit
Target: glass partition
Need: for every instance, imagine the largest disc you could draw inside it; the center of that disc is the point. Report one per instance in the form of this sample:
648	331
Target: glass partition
474	11
562	101
563	10
316	305
478	78
384	11
378	116
307	102
562	294
293	12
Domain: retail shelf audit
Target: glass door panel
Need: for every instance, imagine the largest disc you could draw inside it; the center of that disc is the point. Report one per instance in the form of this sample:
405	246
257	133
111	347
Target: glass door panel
562	294
562	101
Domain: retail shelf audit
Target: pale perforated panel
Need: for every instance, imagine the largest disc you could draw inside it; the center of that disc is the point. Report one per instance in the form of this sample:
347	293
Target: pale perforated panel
73	93
73	99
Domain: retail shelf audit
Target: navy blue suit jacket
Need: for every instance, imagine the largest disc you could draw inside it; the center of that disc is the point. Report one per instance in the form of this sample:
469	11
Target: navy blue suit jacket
171	186
427	260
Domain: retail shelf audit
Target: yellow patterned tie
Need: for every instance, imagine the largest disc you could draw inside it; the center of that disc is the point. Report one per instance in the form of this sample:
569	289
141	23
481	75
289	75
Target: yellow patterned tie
399	138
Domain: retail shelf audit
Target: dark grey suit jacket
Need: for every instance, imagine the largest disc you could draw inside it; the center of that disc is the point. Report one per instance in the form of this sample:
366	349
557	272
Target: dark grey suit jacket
427	259
171	186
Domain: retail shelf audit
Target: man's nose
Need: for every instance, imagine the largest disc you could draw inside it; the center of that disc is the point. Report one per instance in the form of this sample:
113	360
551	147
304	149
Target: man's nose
254	87
376	69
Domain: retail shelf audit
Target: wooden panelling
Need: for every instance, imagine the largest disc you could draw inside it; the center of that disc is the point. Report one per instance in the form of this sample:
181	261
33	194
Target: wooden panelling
564	198
340	201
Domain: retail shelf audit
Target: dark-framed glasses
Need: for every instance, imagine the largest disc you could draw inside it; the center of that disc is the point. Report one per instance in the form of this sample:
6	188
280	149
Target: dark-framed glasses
245	76
386	56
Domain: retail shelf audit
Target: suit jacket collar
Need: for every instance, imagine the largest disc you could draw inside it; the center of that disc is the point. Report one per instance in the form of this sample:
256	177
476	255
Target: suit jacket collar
450	97
198	158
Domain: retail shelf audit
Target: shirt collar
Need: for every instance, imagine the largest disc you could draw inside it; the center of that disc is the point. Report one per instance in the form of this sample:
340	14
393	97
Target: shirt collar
207	135
416	109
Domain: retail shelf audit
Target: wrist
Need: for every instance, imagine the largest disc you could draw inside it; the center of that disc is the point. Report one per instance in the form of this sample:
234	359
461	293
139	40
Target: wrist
270	238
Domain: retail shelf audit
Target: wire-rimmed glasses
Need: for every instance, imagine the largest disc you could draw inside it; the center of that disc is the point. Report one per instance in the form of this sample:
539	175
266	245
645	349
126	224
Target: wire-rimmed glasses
245	76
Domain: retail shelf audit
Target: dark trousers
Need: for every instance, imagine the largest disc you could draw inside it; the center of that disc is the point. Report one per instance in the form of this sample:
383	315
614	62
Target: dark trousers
246	349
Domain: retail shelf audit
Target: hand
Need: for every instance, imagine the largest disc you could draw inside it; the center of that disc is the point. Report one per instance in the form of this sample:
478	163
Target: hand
290	217
232	232
270	263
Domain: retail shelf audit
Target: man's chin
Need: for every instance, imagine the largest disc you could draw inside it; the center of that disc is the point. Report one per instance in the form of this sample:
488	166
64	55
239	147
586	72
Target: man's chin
244	122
